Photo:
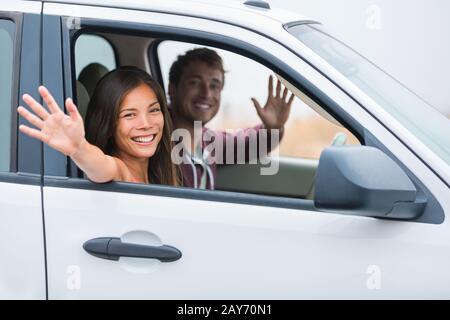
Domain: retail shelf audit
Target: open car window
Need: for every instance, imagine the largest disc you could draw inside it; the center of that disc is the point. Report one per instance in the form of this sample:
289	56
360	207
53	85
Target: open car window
308	130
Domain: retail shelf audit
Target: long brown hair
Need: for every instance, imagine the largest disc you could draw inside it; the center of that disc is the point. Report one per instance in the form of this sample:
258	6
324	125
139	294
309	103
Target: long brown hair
103	113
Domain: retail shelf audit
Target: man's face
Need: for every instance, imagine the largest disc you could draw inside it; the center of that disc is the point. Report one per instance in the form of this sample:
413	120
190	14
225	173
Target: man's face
197	95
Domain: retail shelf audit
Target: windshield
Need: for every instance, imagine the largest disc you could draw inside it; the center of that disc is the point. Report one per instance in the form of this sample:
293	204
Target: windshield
426	123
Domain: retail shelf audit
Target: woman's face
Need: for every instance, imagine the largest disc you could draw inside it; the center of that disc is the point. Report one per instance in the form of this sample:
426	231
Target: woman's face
140	124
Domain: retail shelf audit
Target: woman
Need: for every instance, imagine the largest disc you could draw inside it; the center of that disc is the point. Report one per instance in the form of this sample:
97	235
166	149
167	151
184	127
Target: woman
127	129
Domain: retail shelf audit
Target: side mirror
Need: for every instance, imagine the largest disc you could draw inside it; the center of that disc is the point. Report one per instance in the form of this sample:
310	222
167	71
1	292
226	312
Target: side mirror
364	181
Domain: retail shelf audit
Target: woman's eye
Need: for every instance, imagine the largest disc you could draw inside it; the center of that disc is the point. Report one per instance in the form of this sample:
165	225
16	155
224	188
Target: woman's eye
155	110
128	115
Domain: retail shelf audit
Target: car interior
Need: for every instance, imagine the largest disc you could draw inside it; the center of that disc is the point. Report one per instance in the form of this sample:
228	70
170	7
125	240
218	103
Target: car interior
295	177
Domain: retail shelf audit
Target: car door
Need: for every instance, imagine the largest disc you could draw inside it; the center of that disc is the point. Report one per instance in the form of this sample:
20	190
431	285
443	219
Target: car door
22	252
225	245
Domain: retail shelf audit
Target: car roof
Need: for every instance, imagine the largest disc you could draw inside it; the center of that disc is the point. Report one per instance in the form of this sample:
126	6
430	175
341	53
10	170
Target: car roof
236	10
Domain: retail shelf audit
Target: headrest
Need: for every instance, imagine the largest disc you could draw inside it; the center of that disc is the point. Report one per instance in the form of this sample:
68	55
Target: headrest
82	99
90	75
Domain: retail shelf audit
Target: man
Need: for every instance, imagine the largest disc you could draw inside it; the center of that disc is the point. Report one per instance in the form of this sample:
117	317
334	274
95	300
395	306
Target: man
196	80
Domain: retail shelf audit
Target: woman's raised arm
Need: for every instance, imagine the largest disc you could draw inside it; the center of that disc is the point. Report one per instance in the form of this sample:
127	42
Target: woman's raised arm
66	134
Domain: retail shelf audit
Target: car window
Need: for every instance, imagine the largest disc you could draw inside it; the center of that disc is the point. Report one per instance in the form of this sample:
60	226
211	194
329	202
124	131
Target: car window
306	132
6	81
93	49
94	57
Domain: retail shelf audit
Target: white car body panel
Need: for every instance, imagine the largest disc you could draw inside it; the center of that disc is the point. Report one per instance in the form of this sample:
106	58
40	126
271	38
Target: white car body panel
21	6
233	251
230	11
22	267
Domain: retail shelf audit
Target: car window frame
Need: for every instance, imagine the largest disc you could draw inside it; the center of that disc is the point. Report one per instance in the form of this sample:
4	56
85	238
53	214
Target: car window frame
16	19
93	26
26	76
25	153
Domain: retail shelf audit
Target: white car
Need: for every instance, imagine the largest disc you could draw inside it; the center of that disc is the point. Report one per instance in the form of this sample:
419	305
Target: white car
364	222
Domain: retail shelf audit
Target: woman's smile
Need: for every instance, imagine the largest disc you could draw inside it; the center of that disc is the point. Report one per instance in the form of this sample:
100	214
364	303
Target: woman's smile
144	140
140	124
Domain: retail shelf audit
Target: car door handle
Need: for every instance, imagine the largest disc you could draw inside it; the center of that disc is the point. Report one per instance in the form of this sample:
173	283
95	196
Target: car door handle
113	248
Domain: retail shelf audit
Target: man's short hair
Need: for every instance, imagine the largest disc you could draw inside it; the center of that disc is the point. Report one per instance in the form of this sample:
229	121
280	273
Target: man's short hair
208	56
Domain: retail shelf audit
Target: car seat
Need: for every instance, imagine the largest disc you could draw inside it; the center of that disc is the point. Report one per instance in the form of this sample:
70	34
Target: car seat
82	99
